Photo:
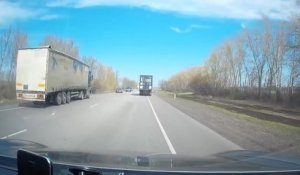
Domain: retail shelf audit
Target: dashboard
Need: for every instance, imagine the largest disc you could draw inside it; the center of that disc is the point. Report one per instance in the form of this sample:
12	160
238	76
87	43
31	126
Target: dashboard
30	163
71	170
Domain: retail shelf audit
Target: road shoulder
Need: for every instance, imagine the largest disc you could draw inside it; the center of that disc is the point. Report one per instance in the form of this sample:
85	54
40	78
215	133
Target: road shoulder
246	131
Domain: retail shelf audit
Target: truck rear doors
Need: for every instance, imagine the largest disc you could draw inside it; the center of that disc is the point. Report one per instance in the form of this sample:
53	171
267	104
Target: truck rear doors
145	84
31	74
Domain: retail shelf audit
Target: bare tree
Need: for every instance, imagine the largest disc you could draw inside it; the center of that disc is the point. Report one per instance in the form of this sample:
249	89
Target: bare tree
268	55
279	54
213	65
92	63
66	46
201	83
5	50
239	45
105	79
294	53
163	84
126	82
10	41
234	61
20	40
255	43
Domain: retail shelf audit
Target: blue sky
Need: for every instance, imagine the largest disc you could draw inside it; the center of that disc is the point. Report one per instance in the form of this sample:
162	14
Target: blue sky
141	37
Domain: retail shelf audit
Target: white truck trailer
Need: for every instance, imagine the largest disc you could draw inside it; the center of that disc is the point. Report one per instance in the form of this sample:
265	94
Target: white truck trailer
47	75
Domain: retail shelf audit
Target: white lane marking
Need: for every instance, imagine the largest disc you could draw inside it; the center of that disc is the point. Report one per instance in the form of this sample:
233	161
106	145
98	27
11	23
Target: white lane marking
11	109
94	105
171	148
53	113
13	134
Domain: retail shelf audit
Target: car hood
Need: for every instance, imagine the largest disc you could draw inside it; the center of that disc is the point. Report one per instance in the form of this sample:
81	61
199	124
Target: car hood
242	160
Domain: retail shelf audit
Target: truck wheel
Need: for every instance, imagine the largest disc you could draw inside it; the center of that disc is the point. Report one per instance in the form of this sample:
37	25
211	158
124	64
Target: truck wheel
58	99
81	95
48	99
36	102
87	94
64	98
68	97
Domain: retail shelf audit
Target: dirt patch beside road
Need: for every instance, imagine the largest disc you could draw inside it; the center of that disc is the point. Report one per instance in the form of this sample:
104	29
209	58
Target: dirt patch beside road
248	132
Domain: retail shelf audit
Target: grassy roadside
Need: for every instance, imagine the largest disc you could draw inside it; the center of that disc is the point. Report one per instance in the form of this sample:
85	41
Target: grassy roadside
232	113
8	101
272	124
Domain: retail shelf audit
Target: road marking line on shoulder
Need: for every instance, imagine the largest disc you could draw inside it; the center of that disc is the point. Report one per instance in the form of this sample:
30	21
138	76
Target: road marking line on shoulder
13	134
94	105
171	148
11	109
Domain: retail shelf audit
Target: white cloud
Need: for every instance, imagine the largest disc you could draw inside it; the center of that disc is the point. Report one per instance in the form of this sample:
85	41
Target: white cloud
50	17
234	9
197	26
189	28
59	3
176	29
13	11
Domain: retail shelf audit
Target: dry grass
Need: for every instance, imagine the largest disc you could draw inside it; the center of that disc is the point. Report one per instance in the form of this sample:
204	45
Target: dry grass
7	90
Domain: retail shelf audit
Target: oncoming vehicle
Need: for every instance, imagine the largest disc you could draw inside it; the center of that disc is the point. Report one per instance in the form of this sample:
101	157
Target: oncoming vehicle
128	89
119	90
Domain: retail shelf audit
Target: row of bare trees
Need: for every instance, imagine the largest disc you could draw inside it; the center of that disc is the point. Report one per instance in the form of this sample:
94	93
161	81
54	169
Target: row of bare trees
263	63
181	81
128	83
67	46
10	41
104	77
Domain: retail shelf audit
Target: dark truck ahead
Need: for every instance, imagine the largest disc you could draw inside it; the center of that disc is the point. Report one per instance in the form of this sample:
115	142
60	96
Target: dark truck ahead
145	84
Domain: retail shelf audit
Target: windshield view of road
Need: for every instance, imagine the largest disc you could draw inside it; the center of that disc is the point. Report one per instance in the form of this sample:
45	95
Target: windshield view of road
114	123
174	79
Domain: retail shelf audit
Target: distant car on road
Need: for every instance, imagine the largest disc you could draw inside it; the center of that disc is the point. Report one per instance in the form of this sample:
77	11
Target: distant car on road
129	89
119	90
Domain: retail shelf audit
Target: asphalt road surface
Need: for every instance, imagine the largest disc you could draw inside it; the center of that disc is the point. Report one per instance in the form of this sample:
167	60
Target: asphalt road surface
112	122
